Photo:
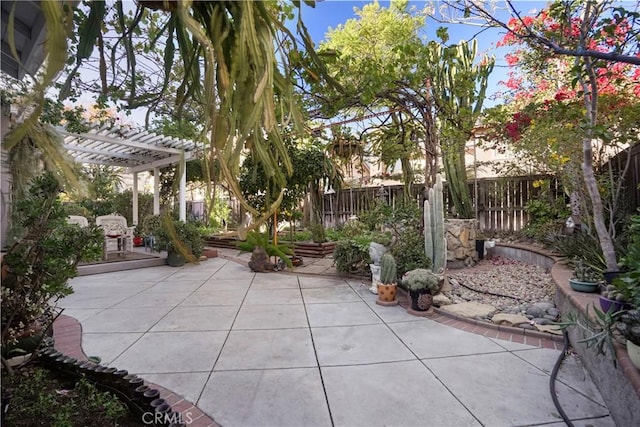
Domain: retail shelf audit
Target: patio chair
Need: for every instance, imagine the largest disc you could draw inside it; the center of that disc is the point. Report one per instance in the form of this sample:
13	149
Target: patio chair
78	220
118	237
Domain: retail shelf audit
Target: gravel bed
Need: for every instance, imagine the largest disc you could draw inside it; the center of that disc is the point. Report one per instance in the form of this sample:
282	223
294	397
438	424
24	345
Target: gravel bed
526	284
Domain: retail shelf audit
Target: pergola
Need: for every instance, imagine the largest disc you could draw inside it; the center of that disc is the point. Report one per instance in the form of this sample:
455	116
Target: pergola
135	150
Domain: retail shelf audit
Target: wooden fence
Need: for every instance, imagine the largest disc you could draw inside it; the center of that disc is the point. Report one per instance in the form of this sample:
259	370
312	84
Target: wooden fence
500	207
631	181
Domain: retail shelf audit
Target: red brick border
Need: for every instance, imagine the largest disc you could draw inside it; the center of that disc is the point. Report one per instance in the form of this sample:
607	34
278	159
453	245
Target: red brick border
67	332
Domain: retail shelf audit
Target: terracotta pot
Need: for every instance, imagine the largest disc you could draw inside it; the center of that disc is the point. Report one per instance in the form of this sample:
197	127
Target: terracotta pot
387	293
634	353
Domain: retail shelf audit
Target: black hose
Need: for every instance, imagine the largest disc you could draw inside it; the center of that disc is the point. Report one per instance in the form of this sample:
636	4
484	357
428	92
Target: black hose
552	381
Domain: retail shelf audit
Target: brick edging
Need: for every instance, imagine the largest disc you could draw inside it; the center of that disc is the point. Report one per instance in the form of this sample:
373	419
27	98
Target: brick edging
67	333
490	330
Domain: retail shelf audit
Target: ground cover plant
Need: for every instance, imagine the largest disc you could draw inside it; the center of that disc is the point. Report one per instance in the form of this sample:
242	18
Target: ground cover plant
47	398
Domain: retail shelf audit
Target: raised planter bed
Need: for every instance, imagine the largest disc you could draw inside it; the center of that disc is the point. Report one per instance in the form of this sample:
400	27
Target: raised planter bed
308	249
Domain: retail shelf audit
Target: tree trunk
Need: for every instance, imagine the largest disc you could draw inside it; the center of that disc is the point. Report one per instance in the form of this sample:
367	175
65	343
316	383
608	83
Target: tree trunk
591	106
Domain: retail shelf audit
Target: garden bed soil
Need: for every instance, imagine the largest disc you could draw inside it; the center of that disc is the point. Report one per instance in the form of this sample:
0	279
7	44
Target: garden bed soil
45	397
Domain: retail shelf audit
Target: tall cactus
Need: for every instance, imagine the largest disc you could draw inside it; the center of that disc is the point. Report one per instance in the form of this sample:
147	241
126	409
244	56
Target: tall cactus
388	270
459	89
435	245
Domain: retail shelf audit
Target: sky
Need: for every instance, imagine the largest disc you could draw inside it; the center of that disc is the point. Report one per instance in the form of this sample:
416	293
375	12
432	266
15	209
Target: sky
331	13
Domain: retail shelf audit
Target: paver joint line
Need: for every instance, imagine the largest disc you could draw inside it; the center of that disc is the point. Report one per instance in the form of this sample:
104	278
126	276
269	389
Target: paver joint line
73	348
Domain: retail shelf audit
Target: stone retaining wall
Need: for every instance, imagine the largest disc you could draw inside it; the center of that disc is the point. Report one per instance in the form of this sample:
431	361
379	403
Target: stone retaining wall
619	386
460	235
522	253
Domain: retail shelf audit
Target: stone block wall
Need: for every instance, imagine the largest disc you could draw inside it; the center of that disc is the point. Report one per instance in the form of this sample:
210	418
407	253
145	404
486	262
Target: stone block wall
460	235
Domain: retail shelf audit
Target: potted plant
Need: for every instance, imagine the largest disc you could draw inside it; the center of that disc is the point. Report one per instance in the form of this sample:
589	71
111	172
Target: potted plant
182	241
585	278
138	239
628	325
262	249
387	287
422	285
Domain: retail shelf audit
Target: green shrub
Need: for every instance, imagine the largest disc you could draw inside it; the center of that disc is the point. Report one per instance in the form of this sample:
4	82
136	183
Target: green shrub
409	252
352	254
39	264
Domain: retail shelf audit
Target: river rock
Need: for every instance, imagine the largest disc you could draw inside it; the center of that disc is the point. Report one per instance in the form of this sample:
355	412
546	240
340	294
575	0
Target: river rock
536	311
541	321
544	305
553	312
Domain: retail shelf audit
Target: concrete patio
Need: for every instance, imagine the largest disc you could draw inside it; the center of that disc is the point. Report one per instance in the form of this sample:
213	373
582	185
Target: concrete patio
299	350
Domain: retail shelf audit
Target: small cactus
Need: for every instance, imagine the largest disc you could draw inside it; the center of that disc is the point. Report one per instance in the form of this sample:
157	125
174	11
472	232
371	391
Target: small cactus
388	272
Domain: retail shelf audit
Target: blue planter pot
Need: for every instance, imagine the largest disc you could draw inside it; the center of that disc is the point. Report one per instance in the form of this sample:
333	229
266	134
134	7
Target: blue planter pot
579	286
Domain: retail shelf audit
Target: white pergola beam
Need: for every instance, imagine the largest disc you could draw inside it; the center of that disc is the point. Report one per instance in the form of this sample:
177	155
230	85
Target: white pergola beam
101	162
127	143
162	162
80	148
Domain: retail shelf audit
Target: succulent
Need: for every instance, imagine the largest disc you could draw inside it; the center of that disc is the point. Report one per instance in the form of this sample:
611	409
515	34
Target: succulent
422	279
628	325
585	273
388	271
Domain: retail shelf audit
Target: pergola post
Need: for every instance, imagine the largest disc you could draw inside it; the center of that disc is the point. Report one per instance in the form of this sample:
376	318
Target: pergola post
135	199
183	189
156	191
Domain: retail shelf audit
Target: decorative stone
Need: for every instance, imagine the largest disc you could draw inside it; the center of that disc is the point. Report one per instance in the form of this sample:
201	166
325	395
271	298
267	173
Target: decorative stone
470	309
440	300
550	317
553	312
508	319
541	321
260	261
544	305
526	326
536	311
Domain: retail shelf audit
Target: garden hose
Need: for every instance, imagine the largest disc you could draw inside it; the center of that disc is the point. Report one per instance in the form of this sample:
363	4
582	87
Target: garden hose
552	380
487	292
556	368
